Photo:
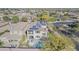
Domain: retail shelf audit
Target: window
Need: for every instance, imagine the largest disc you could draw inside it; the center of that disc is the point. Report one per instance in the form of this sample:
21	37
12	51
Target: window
44	34
31	40
13	41
30	32
10	41
37	36
37	31
13	45
31	37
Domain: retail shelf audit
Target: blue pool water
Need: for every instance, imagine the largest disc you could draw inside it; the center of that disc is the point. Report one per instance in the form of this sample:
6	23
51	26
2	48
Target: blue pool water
39	44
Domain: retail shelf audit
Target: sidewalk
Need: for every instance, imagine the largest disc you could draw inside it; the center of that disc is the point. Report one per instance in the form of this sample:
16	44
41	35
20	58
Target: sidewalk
17	49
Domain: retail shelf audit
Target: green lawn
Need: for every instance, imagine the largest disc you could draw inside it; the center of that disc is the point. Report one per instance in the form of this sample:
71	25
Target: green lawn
51	19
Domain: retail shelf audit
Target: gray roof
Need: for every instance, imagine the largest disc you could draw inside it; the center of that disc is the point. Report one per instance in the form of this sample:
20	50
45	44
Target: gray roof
37	26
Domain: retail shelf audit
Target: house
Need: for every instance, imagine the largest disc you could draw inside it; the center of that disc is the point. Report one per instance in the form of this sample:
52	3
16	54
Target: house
12	38
17	28
36	32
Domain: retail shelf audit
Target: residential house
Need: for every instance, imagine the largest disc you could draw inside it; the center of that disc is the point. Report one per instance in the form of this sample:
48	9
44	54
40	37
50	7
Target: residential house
36	32
12	38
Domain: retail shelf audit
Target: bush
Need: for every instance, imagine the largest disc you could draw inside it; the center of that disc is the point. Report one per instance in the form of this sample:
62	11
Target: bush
1	43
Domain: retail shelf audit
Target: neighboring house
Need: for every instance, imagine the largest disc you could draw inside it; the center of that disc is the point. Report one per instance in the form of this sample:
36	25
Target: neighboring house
1	19
36	32
3	26
12	38
17	31
66	22
17	28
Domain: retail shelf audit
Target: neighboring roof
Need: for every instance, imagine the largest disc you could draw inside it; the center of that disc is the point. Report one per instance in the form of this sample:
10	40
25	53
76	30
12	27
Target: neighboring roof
38	25
3	23
68	22
18	26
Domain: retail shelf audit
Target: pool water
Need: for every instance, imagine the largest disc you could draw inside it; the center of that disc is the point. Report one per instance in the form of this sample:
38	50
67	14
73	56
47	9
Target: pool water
39	45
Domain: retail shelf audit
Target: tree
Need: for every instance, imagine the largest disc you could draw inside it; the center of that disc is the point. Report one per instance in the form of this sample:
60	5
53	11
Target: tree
15	19
43	16
57	43
24	19
6	18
